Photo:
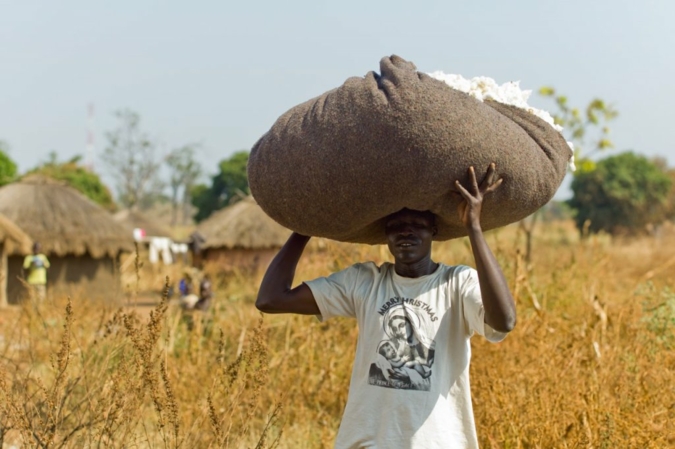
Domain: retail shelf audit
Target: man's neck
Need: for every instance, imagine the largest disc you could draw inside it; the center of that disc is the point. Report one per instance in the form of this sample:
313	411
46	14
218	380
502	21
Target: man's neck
414	270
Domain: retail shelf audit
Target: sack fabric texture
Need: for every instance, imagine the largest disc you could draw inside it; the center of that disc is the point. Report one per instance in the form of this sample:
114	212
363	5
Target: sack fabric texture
337	165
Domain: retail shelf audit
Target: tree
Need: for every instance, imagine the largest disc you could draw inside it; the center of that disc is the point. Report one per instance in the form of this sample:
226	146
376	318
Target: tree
230	183
580	127
662	164
577	127
670	212
185	171
203	201
622	194
7	165
130	158
79	177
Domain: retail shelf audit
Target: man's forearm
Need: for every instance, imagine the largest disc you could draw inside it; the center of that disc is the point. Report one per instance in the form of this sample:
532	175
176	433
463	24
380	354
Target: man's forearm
281	271
500	309
276	294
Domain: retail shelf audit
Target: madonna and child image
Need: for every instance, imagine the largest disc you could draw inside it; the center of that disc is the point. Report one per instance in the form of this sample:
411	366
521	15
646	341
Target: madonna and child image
403	360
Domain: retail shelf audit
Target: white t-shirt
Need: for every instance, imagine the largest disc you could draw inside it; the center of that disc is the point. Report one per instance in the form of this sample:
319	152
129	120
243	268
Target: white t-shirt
410	380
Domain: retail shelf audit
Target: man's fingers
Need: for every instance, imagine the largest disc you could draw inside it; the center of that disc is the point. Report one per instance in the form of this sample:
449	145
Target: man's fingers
472	180
495	185
462	191
489	177
492	172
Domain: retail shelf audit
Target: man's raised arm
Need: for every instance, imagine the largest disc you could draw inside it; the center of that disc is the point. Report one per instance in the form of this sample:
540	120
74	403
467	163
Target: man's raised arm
500	309
275	294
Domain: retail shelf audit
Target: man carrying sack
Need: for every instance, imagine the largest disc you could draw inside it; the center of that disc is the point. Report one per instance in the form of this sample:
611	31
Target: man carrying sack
369	162
410	381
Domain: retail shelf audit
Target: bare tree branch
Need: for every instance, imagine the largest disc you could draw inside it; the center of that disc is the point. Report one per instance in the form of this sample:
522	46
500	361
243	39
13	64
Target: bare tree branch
130	158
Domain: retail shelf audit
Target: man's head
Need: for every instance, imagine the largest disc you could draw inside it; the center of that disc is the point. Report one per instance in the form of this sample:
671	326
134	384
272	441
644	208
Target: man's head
409	234
37	248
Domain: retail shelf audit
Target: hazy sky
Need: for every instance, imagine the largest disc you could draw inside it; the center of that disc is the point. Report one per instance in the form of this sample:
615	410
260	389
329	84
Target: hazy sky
221	72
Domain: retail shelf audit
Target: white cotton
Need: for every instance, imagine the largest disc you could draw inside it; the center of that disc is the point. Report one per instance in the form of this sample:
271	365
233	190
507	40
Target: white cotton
483	87
570	163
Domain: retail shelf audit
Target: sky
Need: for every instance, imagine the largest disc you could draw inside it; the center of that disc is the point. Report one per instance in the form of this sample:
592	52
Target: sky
220	72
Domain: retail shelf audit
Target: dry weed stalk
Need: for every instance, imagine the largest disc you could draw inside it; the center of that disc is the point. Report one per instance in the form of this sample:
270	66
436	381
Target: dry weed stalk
238	390
522	280
48	416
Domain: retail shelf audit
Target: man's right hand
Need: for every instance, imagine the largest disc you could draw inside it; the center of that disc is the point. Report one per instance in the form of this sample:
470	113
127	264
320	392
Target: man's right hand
275	294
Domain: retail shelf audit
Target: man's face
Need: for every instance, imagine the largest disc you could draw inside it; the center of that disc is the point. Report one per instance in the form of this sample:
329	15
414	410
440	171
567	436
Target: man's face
401	328
409	235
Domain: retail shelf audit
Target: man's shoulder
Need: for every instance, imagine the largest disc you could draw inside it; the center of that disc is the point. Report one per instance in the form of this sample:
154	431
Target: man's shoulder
373	270
372	266
363	271
387	269
456	269
458	272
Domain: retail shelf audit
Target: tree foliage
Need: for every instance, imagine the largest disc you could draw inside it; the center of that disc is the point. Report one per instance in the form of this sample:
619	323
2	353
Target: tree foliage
130	158
230	182
589	132
184	172
587	129
79	177
622	194
670	210
7	166
578	127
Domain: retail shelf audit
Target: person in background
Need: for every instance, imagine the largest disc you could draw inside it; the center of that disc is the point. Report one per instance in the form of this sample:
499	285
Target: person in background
205	294
187	298
196	317
35	272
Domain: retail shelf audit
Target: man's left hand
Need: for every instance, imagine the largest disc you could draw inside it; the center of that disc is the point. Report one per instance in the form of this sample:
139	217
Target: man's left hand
469	209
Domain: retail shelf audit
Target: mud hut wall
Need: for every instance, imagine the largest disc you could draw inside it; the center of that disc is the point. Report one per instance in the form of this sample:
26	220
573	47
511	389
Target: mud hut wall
78	277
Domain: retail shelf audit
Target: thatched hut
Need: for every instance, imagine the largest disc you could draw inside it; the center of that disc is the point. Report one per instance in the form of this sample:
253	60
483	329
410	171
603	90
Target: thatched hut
80	238
241	237
133	219
13	242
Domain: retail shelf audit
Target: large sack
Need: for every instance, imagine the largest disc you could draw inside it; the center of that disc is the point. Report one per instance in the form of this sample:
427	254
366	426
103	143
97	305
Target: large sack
336	165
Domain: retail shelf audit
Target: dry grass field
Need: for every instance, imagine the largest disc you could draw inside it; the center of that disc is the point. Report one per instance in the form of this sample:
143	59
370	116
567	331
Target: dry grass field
591	363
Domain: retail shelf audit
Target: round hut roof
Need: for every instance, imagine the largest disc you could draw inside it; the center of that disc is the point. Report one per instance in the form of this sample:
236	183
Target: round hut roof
242	225
15	240
134	219
63	220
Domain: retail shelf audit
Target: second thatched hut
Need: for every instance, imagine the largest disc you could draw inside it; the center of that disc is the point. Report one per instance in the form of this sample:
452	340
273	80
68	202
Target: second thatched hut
13	242
81	239
240	237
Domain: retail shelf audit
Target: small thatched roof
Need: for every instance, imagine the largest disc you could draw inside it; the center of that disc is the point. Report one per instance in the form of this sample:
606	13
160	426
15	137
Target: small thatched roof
63	220
13	238
132	219
242	225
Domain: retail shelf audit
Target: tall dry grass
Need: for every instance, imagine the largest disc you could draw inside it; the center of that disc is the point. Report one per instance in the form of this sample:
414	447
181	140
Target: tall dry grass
591	362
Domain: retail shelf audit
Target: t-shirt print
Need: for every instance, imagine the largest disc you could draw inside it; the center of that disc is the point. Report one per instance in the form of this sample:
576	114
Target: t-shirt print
404	358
